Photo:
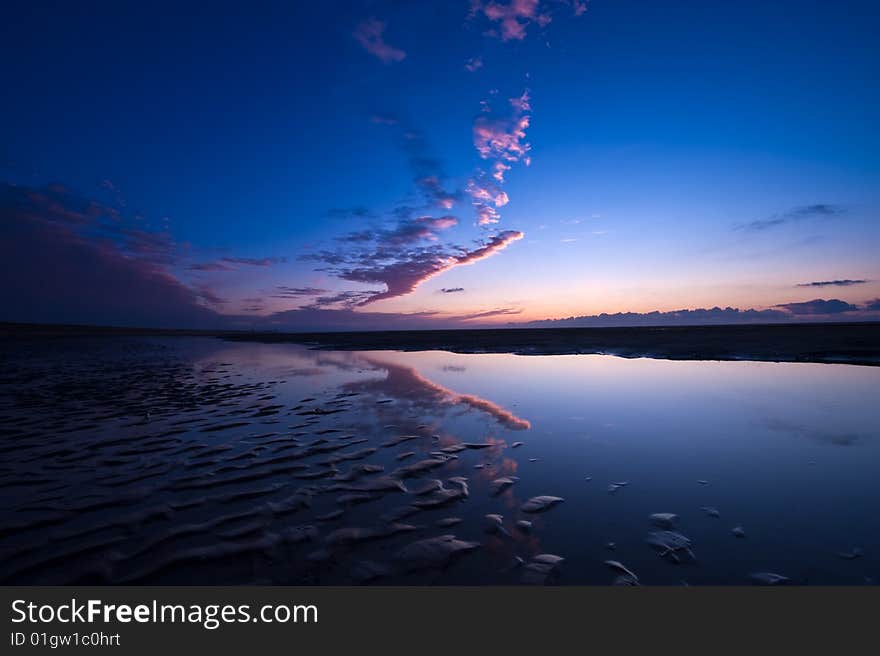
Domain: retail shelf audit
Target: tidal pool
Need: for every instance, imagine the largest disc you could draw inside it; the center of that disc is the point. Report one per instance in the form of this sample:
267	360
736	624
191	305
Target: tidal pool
200	461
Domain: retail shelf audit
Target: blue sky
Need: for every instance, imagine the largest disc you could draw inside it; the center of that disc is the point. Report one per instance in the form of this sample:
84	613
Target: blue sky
661	156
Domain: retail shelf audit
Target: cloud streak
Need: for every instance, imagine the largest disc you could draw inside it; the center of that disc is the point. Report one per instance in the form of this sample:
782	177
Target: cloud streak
795	214
488	314
846	282
284	291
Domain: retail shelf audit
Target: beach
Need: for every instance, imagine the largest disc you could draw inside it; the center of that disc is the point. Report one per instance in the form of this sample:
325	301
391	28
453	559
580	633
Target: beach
181	460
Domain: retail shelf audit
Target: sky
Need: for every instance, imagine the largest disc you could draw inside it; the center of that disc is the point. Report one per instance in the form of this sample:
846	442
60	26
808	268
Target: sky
366	164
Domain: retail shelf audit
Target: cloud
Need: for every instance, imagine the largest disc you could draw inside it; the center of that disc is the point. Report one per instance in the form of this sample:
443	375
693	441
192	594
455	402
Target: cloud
346	299
846	282
70	260
228	263
783	312
502	139
819	306
512	18
487	192
382	119
210	266
818	209
369	35
799	213
433	189
473	64
358	211
283	291
401	270
250	261
488	313
701	316
427	171
452	290
406	231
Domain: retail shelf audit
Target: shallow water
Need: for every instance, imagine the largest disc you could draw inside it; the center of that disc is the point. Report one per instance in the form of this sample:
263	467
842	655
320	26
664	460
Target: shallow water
195	460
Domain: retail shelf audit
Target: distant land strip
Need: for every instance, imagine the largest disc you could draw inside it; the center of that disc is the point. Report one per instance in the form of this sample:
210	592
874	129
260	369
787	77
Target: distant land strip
852	343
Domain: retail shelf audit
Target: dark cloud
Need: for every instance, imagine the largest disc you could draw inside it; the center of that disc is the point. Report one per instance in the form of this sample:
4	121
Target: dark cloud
70	260
347	299
799	213
211	266
873	306
833	283
283	291
488	313
358	236
427	171
452	290
406	231
231	263
702	316
819	306
817	209
783	312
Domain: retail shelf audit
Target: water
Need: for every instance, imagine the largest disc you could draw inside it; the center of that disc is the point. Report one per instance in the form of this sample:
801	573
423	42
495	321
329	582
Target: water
191	460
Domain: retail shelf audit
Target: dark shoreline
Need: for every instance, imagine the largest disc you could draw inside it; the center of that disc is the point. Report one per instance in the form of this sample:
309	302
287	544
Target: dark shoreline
850	343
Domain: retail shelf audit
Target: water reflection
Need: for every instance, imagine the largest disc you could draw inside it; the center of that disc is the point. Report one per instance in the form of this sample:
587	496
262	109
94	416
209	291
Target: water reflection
425	398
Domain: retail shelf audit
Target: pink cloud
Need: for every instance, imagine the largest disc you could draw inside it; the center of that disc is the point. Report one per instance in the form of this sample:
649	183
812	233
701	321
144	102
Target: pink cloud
498	170
501	139
473	64
369	35
486	215
513	18
521	103
487	193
